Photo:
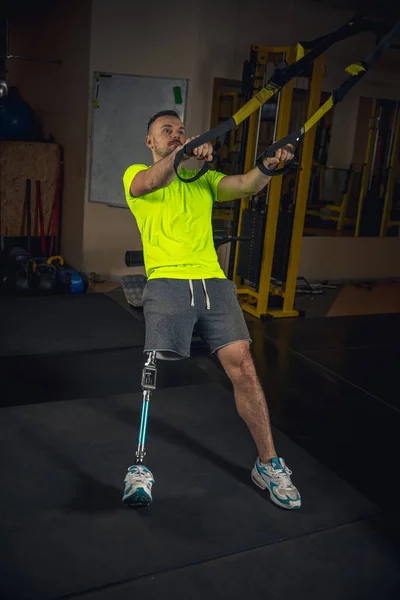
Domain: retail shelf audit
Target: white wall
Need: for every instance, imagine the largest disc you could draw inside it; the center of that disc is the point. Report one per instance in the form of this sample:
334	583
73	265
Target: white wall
200	41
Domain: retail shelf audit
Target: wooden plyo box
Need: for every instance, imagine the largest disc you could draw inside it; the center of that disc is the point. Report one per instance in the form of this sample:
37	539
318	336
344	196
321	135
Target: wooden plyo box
20	161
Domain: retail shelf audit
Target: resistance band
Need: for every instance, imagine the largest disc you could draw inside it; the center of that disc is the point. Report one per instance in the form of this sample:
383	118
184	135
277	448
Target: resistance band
357	71
280	77
39	210
56	209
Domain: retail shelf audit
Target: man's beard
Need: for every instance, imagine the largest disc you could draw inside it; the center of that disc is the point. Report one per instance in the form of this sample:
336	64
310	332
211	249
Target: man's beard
163	152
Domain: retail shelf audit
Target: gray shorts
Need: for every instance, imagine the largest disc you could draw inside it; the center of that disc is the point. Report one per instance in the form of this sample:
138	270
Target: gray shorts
172	307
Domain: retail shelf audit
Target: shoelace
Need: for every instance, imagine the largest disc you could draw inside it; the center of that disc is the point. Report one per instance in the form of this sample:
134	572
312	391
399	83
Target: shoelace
283	475
138	477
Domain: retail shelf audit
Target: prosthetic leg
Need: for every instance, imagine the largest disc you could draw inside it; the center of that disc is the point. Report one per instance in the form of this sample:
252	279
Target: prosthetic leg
139	480
149	380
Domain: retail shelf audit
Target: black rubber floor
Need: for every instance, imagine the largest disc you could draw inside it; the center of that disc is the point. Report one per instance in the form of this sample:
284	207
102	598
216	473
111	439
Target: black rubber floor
373	369
70	376
64	530
310	335
72	323
345	563
350	430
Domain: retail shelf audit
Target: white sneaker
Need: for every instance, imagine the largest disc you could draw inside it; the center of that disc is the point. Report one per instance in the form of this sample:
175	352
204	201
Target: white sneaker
138	483
275	476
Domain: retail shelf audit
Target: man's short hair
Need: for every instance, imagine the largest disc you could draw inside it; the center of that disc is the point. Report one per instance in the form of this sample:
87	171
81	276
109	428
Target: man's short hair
162	113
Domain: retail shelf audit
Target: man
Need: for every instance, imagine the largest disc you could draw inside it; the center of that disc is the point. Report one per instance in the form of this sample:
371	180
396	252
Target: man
186	285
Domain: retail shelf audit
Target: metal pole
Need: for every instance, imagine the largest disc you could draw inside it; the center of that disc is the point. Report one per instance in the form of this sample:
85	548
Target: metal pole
371	173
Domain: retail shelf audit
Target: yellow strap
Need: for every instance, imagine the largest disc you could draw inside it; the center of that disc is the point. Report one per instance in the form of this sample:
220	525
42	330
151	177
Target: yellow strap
318	115
254	103
263	95
299	52
355	68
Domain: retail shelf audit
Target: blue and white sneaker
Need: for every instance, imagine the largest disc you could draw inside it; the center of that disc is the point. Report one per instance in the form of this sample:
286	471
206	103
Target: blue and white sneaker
138	483
275	476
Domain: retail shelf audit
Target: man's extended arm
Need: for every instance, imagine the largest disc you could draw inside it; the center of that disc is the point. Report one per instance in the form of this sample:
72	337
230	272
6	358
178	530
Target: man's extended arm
233	187
157	176
162	173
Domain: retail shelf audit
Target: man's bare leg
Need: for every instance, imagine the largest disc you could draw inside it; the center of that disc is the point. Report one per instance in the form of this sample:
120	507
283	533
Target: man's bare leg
249	396
269	472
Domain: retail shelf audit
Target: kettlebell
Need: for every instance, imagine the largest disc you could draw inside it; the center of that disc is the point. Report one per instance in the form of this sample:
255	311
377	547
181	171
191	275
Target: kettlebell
18	255
24	275
22	280
46	277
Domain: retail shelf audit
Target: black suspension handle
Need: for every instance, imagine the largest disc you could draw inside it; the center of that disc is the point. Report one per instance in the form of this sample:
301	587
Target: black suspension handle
273	172
186	150
291	138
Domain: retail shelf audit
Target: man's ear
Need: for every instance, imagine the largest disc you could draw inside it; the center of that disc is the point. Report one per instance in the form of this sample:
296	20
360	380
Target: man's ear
149	141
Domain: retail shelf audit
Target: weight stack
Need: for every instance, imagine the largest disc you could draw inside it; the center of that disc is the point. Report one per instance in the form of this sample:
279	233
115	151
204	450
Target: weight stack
250	253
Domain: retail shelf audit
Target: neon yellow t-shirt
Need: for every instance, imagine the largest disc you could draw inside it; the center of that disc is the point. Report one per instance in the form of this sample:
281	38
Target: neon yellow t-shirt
175	226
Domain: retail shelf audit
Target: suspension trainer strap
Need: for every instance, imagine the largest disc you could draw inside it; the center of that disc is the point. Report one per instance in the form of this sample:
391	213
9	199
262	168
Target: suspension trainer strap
356	71
280	77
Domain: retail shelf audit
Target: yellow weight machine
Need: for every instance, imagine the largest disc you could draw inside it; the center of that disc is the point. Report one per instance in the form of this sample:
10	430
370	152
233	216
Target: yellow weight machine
256	297
253	275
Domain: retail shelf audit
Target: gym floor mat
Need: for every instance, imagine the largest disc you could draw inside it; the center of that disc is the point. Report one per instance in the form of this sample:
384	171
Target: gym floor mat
374	370
308	335
354	561
330	416
53	324
51	378
65	531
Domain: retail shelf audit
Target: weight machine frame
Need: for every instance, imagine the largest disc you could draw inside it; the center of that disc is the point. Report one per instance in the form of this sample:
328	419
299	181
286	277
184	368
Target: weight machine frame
391	178
386	187
256	301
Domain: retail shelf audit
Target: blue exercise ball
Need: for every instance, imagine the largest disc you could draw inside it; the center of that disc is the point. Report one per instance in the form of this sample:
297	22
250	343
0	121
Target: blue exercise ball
17	119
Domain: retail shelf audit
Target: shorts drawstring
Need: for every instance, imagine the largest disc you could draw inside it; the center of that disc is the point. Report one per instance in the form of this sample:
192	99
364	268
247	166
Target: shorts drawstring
208	303
191	292
206	293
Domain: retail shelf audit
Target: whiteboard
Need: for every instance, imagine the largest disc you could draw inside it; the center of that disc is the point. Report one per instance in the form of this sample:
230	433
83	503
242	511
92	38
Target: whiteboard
122	105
